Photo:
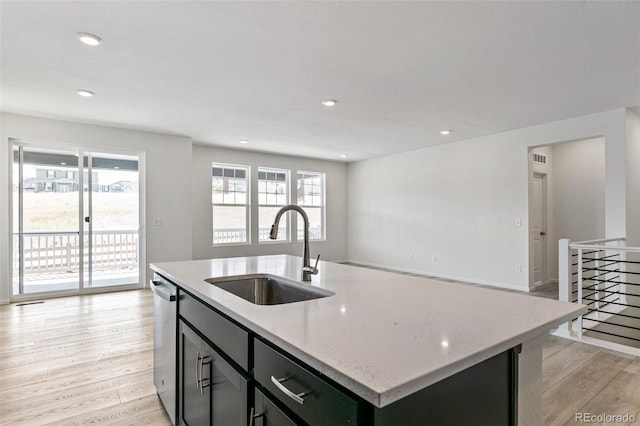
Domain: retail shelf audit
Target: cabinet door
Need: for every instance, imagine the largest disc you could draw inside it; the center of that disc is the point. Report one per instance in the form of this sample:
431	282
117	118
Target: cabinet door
267	414
229	403
194	392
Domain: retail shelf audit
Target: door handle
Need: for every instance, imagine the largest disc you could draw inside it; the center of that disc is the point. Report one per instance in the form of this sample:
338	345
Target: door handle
202	378
253	416
87	219
161	290
197	362
543	233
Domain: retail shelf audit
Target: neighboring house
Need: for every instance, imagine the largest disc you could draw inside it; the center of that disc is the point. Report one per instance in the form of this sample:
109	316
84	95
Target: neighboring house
57	180
120	186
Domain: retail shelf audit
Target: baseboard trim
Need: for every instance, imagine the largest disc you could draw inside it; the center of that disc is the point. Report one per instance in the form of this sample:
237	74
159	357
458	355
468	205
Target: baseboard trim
434	275
4	302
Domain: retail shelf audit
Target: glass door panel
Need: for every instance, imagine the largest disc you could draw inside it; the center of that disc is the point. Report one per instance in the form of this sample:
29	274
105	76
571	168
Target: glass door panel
45	220
112	220
75	223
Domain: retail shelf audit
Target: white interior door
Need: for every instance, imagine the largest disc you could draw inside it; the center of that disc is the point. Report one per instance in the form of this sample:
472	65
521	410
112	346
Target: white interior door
538	224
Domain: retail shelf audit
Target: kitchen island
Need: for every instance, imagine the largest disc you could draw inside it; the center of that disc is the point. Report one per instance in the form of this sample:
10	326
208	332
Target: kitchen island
379	338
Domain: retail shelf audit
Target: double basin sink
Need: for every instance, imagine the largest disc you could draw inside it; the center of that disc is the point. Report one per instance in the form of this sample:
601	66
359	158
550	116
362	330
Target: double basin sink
267	289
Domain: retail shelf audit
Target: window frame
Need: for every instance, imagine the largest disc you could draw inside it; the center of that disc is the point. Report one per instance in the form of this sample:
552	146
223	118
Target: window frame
288	229
246	205
323	206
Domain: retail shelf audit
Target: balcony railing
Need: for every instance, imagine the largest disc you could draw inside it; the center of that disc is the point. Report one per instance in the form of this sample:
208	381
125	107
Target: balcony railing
46	252
605	276
53	252
239	235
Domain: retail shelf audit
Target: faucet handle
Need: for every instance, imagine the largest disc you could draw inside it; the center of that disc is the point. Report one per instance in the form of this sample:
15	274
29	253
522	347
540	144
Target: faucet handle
312	269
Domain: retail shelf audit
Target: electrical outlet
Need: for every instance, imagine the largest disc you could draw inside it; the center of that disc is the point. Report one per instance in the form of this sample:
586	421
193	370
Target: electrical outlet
157	221
434	259
518	223
518	268
412	256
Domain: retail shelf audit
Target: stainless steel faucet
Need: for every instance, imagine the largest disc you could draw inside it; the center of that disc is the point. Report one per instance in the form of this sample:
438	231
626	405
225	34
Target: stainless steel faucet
307	269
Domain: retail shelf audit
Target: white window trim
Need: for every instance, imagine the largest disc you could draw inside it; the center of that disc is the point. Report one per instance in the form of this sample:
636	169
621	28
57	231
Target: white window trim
289	228
247	205
323	214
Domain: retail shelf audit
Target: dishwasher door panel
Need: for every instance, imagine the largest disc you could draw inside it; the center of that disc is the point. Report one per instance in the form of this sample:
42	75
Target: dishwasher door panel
164	342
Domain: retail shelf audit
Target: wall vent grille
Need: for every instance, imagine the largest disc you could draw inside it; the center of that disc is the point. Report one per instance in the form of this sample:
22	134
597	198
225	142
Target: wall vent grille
539	158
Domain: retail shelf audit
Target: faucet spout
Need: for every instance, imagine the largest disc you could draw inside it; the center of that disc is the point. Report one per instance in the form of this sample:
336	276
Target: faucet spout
307	269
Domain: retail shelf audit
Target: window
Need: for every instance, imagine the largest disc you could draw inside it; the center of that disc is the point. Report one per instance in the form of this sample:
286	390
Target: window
51	174
273	193
230	199
70	175
311	198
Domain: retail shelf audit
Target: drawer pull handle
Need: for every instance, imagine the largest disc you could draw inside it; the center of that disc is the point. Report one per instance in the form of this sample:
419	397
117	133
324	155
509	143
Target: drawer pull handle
297	397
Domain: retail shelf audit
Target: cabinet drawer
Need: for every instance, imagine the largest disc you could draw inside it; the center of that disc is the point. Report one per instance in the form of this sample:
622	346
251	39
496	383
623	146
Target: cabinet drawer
229	337
320	403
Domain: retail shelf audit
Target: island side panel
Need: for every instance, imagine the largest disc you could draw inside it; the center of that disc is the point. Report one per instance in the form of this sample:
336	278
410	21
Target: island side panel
481	394
530	382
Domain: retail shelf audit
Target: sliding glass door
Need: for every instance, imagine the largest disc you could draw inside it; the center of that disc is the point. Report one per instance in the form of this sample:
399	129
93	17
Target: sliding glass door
111	222
75	223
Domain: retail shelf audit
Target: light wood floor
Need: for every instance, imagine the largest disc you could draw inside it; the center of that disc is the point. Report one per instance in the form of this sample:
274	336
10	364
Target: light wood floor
79	360
88	359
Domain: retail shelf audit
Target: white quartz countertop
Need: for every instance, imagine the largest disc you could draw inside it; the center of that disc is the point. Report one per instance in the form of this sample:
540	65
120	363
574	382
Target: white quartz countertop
382	335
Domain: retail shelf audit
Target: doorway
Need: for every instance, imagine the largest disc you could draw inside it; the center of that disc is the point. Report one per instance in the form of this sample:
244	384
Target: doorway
75	221
539	228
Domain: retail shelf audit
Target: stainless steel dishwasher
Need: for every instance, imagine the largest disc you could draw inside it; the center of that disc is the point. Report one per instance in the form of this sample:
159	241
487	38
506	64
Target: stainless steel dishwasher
165	296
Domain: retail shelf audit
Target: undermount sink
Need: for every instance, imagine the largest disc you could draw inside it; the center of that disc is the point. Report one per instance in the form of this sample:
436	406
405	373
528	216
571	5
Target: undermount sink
265	289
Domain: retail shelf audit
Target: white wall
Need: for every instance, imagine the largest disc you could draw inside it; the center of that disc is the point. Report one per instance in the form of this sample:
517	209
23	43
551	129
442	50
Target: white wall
578	194
633	179
335	246
168	173
579	189
460	202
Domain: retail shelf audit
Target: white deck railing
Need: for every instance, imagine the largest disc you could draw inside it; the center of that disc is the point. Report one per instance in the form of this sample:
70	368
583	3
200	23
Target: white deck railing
239	235
47	252
605	276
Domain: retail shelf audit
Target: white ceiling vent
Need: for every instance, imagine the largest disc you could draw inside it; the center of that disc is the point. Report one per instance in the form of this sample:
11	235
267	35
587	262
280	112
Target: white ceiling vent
539	158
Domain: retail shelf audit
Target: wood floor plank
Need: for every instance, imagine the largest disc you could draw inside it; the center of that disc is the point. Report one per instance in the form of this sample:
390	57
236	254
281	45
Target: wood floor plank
621	397
566	360
553	345
142	411
574	391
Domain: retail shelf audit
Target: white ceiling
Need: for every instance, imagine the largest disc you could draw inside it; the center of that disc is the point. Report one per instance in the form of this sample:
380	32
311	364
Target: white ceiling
401	71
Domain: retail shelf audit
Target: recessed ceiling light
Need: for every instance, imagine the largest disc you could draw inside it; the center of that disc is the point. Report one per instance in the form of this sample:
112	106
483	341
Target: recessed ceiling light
89	39
329	102
63	164
116	167
344	155
446	132
84	93
243	141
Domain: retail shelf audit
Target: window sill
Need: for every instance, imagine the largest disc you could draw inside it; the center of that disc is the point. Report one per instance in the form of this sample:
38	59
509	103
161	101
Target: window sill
219	245
274	242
